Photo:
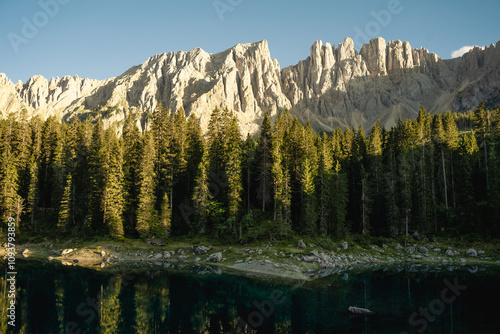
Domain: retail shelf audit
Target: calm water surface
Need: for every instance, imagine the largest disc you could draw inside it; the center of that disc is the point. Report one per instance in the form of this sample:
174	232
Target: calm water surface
57	299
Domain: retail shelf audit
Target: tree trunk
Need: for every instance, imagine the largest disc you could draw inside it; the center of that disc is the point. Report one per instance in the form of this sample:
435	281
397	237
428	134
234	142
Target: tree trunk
275	202
486	163
452	181
248	186
444	179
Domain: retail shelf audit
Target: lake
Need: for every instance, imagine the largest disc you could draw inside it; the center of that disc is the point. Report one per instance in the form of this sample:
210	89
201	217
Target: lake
53	298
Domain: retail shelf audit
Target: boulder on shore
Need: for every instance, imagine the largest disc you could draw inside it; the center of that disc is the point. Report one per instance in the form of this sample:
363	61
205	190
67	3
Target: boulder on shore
202	250
307	258
66	251
471	252
216	257
301	244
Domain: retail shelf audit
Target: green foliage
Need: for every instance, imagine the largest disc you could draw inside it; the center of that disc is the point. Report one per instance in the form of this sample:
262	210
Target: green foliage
435	174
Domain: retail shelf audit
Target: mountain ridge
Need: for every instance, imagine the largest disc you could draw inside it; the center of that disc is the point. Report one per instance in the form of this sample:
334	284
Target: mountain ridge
335	86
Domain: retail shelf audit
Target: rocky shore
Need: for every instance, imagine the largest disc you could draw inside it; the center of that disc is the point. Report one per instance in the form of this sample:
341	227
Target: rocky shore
300	261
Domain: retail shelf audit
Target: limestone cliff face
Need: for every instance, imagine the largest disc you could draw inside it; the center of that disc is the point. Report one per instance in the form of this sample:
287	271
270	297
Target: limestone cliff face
339	86
335	86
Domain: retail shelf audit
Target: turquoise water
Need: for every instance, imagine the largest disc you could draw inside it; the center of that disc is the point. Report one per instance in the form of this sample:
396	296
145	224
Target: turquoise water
56	299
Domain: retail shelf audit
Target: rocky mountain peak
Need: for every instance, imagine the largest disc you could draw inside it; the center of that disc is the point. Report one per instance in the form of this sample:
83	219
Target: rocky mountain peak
334	86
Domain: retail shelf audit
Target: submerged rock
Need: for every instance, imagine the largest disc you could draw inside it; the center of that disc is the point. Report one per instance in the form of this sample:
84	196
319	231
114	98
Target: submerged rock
473	269
360	311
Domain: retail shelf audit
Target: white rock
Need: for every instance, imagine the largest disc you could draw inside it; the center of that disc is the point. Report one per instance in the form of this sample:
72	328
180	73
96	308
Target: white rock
66	251
471	252
202	250
216	257
301	244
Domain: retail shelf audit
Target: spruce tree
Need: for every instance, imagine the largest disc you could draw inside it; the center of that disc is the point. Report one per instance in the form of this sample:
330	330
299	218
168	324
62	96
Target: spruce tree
281	175
195	150
264	163
482	125
202	197
216	137
438	137
469	157
83	173
10	201
64	216
309	202
374	164
98	165
233	171
131	139
365	202
165	216
405	187
162	131
32	196
146	211
178	151
339	202
113	195
248	171
452	143
325	178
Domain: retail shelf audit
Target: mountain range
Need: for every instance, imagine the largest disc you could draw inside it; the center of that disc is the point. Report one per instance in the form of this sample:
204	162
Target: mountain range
335	86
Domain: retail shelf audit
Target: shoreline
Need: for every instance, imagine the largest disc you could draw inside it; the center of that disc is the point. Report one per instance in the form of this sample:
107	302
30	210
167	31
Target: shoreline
300	262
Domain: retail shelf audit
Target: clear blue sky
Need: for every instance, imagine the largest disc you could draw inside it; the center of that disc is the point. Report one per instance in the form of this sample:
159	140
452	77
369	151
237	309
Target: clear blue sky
101	39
